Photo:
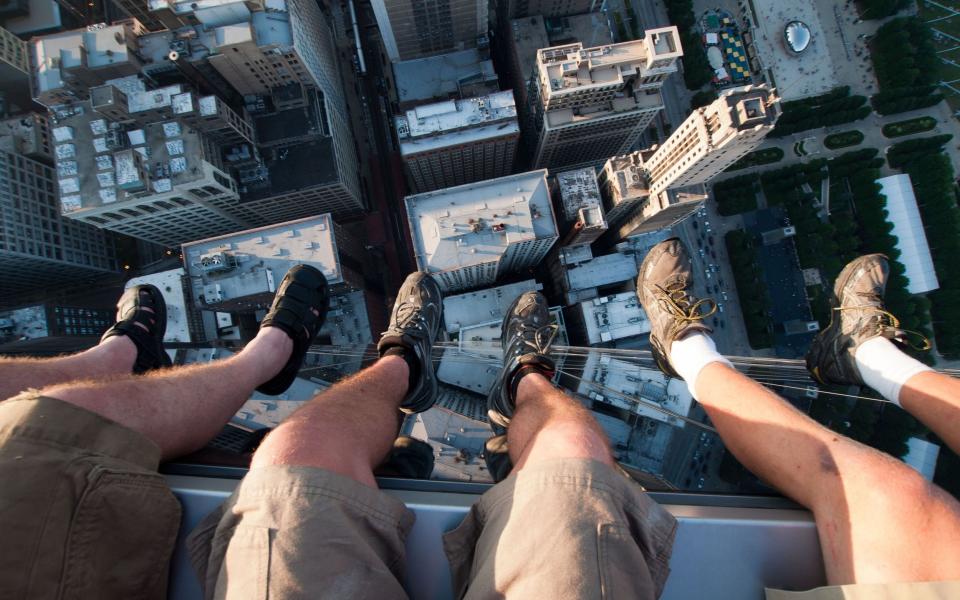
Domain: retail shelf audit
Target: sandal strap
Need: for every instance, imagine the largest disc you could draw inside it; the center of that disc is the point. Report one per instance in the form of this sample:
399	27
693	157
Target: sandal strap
149	341
302	291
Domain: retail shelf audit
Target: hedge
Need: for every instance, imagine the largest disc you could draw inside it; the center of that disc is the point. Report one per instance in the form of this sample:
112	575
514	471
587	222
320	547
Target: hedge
901	128
736	195
843	139
833	108
760	157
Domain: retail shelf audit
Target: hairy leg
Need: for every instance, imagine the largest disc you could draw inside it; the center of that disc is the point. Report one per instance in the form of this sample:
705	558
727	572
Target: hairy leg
549	424
878	519
934	399
111	357
348	429
182	409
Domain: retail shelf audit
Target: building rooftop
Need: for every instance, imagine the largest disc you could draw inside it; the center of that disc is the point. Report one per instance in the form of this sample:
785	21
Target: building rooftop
529	36
93	47
298	167
453	122
631	387
170	284
600	271
578	190
591	29
44	15
909	232
347	322
613	317
444	76
245	268
483	306
101	162
474	224
29	322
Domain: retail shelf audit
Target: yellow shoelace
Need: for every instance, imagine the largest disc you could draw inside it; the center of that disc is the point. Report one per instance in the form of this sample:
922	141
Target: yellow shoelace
684	308
886	319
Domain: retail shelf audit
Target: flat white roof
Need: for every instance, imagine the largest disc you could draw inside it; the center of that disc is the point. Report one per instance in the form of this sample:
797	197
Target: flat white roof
482	306
171	287
602	270
908	228
634	388
432	126
55	52
473	224
613	317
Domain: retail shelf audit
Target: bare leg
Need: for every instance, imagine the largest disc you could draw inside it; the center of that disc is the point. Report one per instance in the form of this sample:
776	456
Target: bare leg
182	409
879	521
549	424
111	357
348	429
934	399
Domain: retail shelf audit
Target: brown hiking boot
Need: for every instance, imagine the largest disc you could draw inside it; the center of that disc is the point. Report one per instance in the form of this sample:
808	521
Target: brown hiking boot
663	286
858	315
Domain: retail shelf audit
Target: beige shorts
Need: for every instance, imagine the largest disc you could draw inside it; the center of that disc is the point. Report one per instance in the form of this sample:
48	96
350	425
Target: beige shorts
83	511
561	529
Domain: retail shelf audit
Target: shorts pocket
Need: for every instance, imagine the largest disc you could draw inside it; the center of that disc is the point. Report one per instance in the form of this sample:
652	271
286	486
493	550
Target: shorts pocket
623	568
245	570
121	537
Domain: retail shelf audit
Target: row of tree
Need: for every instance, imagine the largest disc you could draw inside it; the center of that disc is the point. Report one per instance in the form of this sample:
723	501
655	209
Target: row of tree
736	195
904	55
932	176
907	98
751	288
880	9
696	67
833	108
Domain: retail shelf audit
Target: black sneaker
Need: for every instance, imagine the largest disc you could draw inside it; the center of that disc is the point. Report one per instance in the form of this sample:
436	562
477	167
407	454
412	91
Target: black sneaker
857	315
414	325
526	337
663	288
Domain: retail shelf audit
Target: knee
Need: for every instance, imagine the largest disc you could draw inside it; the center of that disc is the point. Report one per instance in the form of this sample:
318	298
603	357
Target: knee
296	444
568	438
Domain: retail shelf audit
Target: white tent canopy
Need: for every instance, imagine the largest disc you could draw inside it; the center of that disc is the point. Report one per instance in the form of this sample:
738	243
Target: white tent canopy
908	228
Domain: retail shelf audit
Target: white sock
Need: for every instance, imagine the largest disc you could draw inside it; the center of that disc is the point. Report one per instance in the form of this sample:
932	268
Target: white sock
885	368
691	354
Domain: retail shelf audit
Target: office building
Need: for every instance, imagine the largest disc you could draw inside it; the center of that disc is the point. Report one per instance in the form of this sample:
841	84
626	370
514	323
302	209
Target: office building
412	29
14	73
27	135
714	137
53	319
468	236
31	17
458	141
580	274
581	212
451	76
549	8
162	182
593	103
623	186
661	212
38	247
607	319
241	271
635	390
64	66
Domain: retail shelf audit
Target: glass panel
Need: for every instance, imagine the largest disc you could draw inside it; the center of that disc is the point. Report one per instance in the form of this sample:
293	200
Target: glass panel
657	431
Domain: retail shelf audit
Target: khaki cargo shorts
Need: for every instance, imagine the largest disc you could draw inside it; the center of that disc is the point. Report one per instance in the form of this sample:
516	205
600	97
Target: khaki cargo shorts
930	590
560	529
83	511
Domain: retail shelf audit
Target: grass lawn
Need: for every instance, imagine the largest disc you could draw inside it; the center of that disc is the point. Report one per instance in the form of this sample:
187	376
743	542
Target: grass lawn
911	126
843	139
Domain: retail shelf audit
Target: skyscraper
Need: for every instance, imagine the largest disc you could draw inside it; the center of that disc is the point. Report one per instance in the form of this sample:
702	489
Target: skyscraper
468	236
714	137
38	247
418	28
581	212
14	70
458	141
593	103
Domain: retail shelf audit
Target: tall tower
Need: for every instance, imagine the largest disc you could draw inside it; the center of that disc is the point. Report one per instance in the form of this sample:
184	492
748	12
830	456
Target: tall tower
40	248
593	103
714	137
419	28
470	235
458	141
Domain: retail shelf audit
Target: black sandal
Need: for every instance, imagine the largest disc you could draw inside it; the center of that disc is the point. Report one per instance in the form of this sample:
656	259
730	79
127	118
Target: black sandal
149	341
302	291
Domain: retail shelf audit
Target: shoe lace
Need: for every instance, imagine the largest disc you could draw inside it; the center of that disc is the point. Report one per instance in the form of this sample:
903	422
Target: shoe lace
411	314
679	304
886	322
538	339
